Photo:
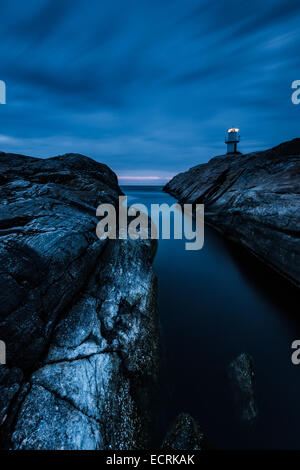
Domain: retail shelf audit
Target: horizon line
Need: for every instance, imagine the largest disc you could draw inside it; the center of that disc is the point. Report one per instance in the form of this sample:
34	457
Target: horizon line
144	178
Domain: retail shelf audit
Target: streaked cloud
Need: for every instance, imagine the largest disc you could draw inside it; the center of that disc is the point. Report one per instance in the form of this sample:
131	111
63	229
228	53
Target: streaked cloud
149	88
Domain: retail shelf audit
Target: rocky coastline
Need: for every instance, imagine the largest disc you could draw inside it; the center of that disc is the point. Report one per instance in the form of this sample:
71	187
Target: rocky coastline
252	199
78	315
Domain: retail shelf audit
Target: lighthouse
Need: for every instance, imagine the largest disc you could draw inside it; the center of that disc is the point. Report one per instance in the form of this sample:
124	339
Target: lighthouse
232	139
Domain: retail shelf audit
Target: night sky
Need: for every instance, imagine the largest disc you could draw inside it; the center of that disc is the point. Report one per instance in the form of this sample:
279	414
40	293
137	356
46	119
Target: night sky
148	87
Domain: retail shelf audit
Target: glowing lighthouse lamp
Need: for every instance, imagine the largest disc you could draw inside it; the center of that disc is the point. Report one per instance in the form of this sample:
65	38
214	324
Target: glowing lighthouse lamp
232	139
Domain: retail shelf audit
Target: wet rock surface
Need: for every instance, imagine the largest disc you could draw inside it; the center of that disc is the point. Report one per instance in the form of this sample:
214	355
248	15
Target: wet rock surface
241	376
184	434
253	199
78	315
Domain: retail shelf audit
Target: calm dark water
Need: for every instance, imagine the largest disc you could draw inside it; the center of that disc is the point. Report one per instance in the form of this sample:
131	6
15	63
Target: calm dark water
214	304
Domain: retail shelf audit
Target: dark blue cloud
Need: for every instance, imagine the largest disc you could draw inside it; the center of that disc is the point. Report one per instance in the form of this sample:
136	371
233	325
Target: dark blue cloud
148	87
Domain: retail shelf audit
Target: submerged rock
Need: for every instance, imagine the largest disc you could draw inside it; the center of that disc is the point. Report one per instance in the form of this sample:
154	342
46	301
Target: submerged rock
78	315
253	199
184	435
241	375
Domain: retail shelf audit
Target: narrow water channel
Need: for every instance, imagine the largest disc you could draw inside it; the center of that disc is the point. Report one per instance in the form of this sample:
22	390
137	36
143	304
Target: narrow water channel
214	304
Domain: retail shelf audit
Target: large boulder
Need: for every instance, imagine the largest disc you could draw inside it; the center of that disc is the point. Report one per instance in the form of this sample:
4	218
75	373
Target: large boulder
78	315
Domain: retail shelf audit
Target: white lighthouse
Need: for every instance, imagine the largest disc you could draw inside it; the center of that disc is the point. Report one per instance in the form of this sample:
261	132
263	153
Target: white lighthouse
232	139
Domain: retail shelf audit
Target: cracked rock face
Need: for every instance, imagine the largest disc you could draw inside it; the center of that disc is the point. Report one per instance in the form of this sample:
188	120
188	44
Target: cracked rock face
252	199
78	315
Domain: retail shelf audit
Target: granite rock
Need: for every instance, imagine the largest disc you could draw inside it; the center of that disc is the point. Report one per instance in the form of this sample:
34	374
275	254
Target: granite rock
78	315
